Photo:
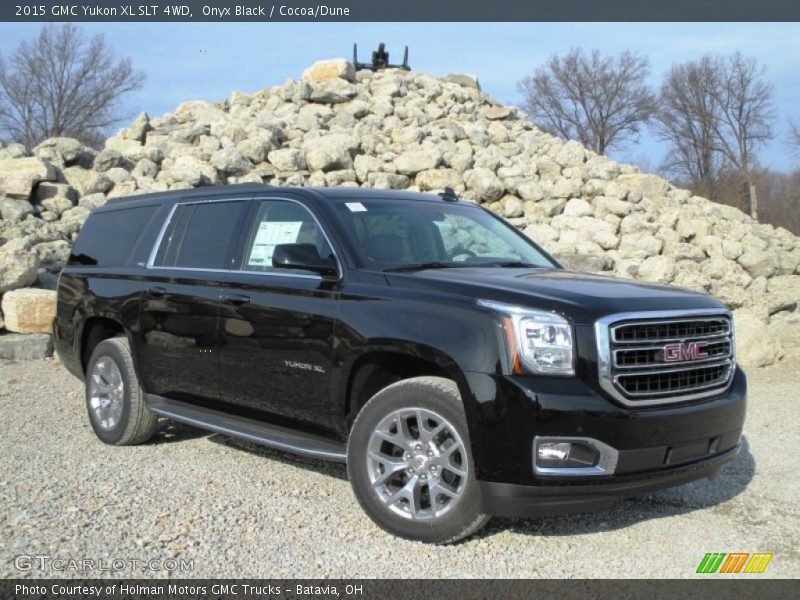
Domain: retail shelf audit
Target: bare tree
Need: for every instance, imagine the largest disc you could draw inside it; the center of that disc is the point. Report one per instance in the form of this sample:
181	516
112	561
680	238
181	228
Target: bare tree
744	117
601	101
63	84
794	137
715	112
686	116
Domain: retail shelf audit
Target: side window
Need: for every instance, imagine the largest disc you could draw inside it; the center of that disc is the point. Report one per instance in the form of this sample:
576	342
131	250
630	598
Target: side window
281	222
108	238
200	236
390	239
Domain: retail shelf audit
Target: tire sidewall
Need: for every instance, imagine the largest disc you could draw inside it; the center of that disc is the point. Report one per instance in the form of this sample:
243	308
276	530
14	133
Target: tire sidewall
453	524
108	349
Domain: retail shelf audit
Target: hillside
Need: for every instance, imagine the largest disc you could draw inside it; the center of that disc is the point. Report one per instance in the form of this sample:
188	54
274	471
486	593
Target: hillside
404	130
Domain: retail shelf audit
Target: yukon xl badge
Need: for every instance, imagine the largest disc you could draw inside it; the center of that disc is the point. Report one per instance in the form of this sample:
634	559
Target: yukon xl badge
682	351
303	366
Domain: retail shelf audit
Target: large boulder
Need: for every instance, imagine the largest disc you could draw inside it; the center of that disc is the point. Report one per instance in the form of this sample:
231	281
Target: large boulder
412	162
17	346
333	91
325	70
18	176
754	348
13	210
71	150
785	328
329	152
29	310
287	159
18	266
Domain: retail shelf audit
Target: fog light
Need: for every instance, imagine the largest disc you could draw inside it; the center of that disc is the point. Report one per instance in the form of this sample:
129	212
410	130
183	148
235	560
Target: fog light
553	453
573	456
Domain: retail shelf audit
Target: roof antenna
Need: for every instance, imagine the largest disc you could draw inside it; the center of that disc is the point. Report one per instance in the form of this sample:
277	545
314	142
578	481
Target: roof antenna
448	195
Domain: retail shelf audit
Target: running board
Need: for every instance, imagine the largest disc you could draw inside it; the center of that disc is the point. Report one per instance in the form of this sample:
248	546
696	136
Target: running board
268	434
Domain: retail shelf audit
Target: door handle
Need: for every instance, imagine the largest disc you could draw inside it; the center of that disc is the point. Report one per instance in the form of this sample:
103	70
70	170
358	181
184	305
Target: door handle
236	298
157	290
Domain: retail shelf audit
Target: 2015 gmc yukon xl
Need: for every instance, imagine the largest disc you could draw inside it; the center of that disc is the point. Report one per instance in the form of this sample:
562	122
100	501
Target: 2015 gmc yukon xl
456	367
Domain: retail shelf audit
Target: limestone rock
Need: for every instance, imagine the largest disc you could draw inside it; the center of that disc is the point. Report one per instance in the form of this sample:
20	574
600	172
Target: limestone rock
413	161
578	207
438	179
325	70
754	348
497	113
329	152
287	159
657	269
785	328
333	91
484	183
14	210
16	346
29	310
464	80
759	263
71	150
87	181
18	267
19	175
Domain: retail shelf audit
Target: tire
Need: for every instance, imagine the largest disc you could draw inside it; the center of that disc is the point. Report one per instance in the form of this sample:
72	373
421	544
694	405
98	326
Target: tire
115	400
419	485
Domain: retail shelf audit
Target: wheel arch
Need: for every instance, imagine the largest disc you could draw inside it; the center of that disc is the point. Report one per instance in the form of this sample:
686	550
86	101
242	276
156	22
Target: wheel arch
382	364
94	330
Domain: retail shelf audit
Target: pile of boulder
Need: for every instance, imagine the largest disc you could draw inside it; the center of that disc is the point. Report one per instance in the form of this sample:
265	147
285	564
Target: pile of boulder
405	130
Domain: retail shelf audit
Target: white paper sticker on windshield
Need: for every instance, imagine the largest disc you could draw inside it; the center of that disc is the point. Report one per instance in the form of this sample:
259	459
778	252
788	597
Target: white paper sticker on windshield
270	235
356	207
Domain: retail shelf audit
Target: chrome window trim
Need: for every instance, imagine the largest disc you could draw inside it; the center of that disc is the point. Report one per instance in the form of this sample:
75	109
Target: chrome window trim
602	334
154	250
606	464
157	245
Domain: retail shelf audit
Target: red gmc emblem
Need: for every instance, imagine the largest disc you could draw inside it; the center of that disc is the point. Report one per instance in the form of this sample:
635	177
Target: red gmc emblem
682	351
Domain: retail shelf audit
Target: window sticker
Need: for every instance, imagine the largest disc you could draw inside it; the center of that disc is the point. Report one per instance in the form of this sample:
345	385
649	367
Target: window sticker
269	235
356	207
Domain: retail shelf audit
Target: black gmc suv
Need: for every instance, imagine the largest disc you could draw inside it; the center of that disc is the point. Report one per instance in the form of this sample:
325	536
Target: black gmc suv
456	367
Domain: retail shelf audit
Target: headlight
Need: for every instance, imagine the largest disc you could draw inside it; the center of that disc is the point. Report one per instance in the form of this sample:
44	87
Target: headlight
541	341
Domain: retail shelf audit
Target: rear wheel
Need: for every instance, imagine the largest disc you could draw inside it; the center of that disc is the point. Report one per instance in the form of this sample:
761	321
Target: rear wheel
115	400
410	465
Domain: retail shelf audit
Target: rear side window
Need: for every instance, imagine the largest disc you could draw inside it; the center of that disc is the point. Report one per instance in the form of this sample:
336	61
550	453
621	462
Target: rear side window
107	239
200	236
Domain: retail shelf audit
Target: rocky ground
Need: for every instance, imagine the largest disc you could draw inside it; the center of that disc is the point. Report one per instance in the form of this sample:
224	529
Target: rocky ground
240	510
400	130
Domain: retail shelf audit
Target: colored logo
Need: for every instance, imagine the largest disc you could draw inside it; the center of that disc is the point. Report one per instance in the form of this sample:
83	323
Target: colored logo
685	351
734	562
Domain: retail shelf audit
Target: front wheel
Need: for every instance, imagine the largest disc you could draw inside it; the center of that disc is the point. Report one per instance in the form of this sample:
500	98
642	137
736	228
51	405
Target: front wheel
409	462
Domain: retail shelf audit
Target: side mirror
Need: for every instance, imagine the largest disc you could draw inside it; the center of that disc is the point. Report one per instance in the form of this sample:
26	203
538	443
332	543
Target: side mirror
304	257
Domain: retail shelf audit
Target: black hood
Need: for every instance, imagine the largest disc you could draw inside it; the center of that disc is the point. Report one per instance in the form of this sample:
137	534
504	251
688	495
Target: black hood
581	296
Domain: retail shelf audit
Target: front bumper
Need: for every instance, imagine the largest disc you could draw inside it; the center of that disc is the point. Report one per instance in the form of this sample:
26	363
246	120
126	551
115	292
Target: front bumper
511	500
658	447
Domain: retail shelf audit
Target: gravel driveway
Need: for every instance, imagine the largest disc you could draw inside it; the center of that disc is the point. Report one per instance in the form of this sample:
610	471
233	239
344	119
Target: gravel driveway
235	509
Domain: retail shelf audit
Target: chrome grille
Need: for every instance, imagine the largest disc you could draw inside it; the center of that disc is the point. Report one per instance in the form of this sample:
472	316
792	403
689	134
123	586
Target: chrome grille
659	358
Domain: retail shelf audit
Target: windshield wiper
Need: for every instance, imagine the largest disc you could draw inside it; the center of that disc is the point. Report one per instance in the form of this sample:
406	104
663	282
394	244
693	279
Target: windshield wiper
425	265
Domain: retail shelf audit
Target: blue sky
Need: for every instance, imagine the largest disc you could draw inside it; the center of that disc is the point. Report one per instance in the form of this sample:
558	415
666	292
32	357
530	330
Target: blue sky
207	61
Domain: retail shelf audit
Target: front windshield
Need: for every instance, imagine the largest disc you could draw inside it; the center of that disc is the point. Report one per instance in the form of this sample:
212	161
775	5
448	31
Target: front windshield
392	235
